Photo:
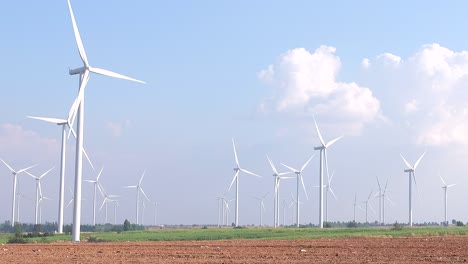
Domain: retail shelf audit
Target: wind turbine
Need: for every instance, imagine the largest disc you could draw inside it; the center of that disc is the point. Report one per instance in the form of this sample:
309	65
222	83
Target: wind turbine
299	179
323	155
328	189
445	187
41	199
96	186
116	204
278	177
411	172
106	200
368	205
138	189
354	207
298	203
238	169
381	194
38	190
64	123
84	72
155	212
262	207
15	175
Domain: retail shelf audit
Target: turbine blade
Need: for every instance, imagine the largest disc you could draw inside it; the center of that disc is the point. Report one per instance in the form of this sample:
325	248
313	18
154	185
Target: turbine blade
74	108
292	169
303	186
372	209
318	132
70	202
448	186
143	192
235	153
130	186
103	202
442	179
49	119
419	160
99	174
25	169
331	190
233	179
141	178
305	164
378	182
406	162
113	74
45	173
89	161
416	185
332	142
8	166
272	166
248	172
79	43
30	174
284	173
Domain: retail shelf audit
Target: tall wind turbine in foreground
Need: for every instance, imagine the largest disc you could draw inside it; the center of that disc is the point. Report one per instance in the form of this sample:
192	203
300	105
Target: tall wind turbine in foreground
138	189
84	77
96	186
38	191
299	179
278	177
15	175
64	123
445	187
411	172
323	155
238	169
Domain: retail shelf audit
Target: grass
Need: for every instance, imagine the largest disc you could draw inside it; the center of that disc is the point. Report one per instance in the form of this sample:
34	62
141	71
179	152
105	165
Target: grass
250	233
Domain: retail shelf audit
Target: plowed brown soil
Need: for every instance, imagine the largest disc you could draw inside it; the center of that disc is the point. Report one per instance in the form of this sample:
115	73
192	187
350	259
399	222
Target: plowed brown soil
443	249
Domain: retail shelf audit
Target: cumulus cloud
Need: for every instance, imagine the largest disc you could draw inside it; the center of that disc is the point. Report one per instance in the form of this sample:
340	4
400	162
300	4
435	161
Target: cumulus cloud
117	128
306	83
426	90
19	143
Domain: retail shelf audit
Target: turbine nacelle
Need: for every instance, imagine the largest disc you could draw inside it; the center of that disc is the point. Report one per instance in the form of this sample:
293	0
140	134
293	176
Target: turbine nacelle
319	148
409	170
80	70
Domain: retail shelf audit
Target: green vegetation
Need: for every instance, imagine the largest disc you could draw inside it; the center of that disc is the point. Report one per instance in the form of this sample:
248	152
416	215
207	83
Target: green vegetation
249	233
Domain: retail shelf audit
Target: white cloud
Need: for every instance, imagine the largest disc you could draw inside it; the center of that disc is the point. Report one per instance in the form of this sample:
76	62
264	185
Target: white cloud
426	90
365	63
305	83
117	128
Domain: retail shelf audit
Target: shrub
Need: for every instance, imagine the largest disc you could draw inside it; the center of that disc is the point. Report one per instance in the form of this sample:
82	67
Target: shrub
460	223
352	224
397	226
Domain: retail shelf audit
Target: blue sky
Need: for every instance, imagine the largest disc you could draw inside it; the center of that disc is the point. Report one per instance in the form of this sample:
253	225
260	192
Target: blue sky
390	77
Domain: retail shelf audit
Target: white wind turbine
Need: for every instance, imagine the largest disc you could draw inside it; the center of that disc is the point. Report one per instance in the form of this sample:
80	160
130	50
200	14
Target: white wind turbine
297	203
262	207
64	123
368	205
238	169
138	189
38	191
116	204
299	179
278	177
106	200
323	155
445	187
328	189
155	212
411	171
41	199
84	77
15	176
381	194
96	186
354	207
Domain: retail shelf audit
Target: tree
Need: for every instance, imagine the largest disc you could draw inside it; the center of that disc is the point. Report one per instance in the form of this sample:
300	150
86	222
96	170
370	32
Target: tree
126	225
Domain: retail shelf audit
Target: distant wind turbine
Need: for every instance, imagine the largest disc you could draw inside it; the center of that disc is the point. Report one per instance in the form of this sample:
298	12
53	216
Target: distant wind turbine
354	207
328	189
323	155
411	172
445	187
15	175
155	212
96	186
38	191
238	169
299	179
106	200
368	205
262	207
138	189
297	203
278	177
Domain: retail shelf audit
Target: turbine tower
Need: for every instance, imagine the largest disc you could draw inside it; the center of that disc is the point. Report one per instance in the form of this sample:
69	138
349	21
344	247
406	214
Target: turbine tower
138	189
278	178
445	187
84	77
411	172
238	169
299	179
15	176
38	192
323	155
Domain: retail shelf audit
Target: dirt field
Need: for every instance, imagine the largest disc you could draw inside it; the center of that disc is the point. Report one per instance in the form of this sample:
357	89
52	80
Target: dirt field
448	249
